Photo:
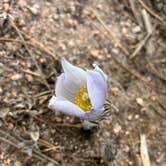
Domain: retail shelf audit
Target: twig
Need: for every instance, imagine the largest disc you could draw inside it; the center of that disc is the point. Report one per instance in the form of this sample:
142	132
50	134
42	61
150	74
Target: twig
41	46
157	112
160	61
133	72
161	105
137	75
148	25
33	43
43	93
27	49
156	72
112	35
151	12
46	157
59	124
140	45
30	73
144	151
134	10
23	151
149	29
16	143
147	21
48	145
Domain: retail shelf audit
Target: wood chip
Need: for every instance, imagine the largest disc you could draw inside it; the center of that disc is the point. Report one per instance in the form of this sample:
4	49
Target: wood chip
144	151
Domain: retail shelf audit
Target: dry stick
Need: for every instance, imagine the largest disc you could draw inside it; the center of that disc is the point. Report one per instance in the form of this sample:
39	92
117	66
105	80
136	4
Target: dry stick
48	146
144	151
43	93
134	10
33	43
58	124
137	75
27	49
23	151
132	71
161	105
140	46
108	30
160	61
147	21
31	73
157	112
156	72
148	25
151	12
149	31
41	46
37	154
46	157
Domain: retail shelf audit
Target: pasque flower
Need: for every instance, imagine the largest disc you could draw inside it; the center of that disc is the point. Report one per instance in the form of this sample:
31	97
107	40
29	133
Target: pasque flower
80	93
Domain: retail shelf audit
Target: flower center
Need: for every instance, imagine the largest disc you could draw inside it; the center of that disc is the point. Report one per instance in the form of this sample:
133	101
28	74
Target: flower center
82	100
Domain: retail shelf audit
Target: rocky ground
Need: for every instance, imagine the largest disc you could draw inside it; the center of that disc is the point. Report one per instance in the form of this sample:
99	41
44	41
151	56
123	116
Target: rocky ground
126	38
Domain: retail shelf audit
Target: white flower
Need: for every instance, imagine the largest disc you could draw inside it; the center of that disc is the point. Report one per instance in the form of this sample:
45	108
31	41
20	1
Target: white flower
80	93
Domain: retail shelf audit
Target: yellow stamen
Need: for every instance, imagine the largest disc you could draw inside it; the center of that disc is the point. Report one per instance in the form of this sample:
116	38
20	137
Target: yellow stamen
82	100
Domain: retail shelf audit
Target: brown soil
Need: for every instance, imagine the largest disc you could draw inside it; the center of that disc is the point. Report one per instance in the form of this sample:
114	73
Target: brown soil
35	34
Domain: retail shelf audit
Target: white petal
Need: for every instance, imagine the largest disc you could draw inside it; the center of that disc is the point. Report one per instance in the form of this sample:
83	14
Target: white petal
65	106
66	88
74	73
97	68
97	89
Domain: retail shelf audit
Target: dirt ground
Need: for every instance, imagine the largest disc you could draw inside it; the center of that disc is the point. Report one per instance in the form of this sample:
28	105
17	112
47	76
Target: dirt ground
126	38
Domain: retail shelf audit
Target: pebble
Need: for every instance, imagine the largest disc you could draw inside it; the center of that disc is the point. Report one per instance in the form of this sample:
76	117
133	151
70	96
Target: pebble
136	29
35	9
17	163
140	101
130	117
117	128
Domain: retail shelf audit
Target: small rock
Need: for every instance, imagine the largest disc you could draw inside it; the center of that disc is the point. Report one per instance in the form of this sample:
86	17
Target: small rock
130	117
137	116
56	17
6	7
50	164
143	109
22	3
117	128
16	76
10	126
35	9
4	112
35	135
140	101
58	119
69	23
17	163
21	22
115	51
126	148
153	98
136	29
6	1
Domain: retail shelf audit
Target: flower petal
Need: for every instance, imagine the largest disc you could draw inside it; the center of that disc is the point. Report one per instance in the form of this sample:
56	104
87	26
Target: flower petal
97	88
97	68
65	107
65	87
74	73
